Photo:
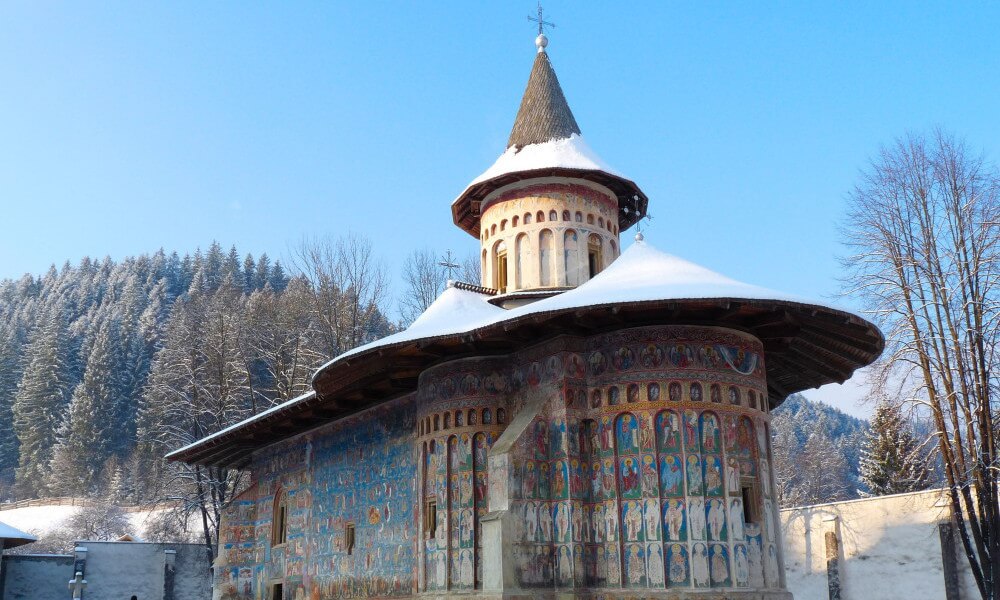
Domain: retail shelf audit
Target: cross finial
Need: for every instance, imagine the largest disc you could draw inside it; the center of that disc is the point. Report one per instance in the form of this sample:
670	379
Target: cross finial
638	224
541	20
449	264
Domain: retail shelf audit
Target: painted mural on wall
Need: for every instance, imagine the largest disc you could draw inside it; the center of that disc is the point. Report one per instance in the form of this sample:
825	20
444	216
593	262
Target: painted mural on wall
658	446
632	470
360	472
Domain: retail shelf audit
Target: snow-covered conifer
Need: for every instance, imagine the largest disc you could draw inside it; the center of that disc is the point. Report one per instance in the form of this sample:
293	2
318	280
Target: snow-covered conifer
891	462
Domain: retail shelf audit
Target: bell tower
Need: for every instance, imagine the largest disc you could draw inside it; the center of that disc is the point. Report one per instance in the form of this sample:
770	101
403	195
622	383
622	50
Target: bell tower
548	213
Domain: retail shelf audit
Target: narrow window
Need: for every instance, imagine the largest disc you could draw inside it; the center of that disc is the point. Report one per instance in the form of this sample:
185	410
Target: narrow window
279	522
502	271
751	510
527	218
430	519
513	222
594	259
553	216
349	538
590	219
578	217
540	217
501	416
565	215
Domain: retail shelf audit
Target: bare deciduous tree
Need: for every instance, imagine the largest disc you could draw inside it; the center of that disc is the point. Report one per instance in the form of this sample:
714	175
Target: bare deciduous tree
923	230
350	285
424	279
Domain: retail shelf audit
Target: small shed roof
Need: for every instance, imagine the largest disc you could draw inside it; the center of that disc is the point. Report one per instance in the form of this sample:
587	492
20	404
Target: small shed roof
13	537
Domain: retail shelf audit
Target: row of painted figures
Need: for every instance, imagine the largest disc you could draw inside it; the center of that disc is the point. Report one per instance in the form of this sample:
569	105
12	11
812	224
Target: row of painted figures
679	355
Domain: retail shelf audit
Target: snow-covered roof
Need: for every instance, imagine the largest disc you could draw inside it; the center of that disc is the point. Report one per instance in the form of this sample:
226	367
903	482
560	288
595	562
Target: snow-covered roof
642	281
642	273
566	153
257	417
13	537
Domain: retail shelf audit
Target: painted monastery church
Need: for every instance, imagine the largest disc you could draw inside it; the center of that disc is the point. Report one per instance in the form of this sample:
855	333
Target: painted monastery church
586	421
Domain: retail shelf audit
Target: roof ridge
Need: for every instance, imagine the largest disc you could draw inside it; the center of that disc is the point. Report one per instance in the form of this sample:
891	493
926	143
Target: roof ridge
544	114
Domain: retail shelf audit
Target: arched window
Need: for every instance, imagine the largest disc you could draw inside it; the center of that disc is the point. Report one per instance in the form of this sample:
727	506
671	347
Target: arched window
483	266
501	416
521	258
553	215
493	229
459	418
571	258
600	222
472	417
447	420
545	257
500	266
279	518
595	258
614	248
540	216
566	215
590	219
513	222
578	217
527	218
734	396
487	417
437	422
503	224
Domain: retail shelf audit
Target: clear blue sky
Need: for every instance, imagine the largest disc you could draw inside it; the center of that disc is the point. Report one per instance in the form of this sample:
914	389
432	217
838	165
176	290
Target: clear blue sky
125	127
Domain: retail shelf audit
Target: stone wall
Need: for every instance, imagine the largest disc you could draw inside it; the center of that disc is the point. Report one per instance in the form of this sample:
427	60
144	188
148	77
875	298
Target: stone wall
112	570
36	577
886	548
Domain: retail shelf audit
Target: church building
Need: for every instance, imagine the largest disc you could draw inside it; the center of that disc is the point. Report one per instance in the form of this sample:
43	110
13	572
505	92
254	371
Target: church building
587	421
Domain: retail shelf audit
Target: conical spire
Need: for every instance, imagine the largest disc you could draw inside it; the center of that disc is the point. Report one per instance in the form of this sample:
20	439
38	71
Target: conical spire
544	114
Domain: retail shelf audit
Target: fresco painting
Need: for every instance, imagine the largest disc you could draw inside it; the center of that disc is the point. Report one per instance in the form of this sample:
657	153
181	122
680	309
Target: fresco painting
643	499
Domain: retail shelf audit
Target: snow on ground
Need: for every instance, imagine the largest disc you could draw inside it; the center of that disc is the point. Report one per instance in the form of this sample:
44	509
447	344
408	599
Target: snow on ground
40	520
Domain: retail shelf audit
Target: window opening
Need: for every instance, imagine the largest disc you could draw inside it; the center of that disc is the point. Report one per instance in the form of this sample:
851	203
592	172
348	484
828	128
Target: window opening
502	271
279	525
276	592
430	519
349	537
751	510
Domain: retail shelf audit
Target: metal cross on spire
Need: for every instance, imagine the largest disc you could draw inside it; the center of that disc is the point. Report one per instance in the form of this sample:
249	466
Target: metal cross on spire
449	264
541	20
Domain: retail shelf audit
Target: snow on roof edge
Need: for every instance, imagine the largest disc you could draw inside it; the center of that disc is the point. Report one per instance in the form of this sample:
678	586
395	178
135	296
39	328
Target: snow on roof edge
240	424
565	153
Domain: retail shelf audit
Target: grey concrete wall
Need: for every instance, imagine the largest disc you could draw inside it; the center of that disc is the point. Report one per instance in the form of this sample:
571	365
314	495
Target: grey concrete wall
194	575
36	577
125	569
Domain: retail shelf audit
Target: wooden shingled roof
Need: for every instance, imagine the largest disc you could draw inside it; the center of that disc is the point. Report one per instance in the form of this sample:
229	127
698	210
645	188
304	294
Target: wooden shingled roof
544	114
